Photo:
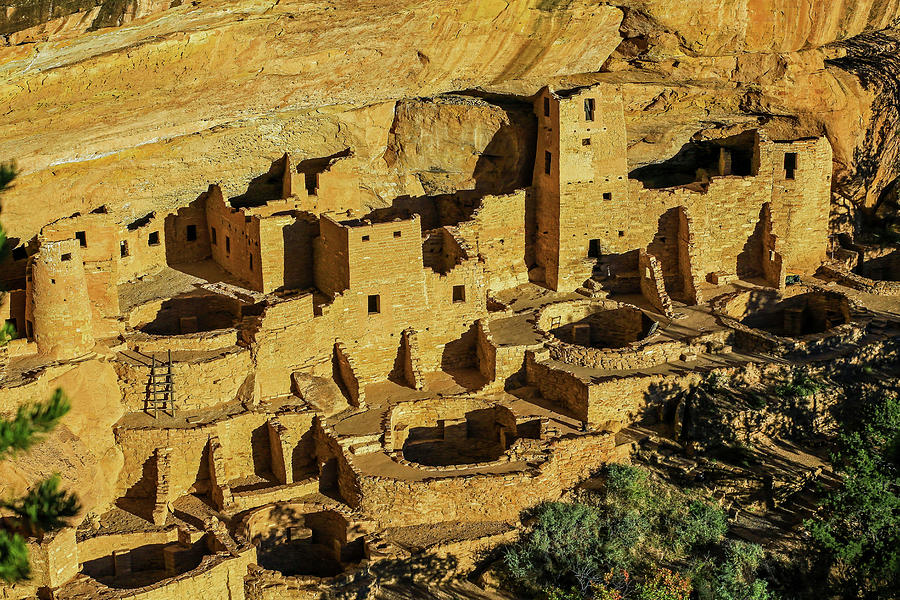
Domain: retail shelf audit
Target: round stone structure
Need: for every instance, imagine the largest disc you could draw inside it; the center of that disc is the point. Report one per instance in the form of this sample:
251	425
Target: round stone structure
446	431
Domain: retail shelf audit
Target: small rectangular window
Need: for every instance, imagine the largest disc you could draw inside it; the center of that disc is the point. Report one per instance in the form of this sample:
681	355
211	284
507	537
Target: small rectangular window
365	238
589	109
548	162
66	257
123	248
621	233
459	293
81	236
227	244
607	195
586	142
153	238
20	253
790	164
191	233
312	183
251	262
397	234
374	304
546	107
212	235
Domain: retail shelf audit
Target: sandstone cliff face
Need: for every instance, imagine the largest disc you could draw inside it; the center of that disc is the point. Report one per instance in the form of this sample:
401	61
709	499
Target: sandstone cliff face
81	449
143	110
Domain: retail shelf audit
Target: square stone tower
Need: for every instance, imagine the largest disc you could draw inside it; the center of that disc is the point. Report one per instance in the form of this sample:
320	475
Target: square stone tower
580	170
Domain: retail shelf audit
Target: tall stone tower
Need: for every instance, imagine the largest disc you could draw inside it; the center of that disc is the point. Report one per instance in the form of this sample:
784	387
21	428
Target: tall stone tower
60	308
581	171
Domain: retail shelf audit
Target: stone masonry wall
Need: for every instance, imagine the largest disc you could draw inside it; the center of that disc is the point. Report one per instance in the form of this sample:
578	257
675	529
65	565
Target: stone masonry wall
496	233
235	245
484	497
199	383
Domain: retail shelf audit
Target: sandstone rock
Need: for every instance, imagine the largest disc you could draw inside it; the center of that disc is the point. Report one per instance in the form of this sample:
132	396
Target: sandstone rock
82	448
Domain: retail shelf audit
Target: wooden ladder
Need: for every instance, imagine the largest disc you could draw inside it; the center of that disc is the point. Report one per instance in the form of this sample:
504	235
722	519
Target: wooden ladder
161	387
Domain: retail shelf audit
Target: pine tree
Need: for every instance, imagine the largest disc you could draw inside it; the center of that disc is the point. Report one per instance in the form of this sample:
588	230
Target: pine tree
45	507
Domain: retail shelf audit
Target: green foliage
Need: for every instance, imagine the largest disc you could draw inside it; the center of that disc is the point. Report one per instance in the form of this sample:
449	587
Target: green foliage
31	421
756	401
8	172
665	584
43	508
586	550
800	385
704	524
14	564
860	531
565	541
733	577
7	331
556	593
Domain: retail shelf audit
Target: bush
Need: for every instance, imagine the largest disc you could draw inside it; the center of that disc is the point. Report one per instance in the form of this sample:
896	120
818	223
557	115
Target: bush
565	542
665	585
586	550
627	485
860	532
703	525
800	385
734	578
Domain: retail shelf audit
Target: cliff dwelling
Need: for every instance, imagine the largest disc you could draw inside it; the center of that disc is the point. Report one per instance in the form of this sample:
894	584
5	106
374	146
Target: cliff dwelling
347	334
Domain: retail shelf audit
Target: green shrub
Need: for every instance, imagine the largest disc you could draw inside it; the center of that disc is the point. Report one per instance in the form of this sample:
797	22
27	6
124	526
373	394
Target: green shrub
800	385
734	577
627	485
756	401
589	550
703	525
566	540
859	533
664	584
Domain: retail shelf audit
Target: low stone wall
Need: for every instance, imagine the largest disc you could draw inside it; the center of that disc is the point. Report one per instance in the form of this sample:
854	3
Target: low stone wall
203	382
498	363
640	354
426	413
858	282
55	560
100	546
565	389
616	402
488	496
733	306
640	357
572	311
279	493
264	584
218	576
203	341
469	553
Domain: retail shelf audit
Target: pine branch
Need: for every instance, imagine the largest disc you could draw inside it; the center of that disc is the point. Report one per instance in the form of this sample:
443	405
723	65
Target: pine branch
44	508
8	172
31	421
14	565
